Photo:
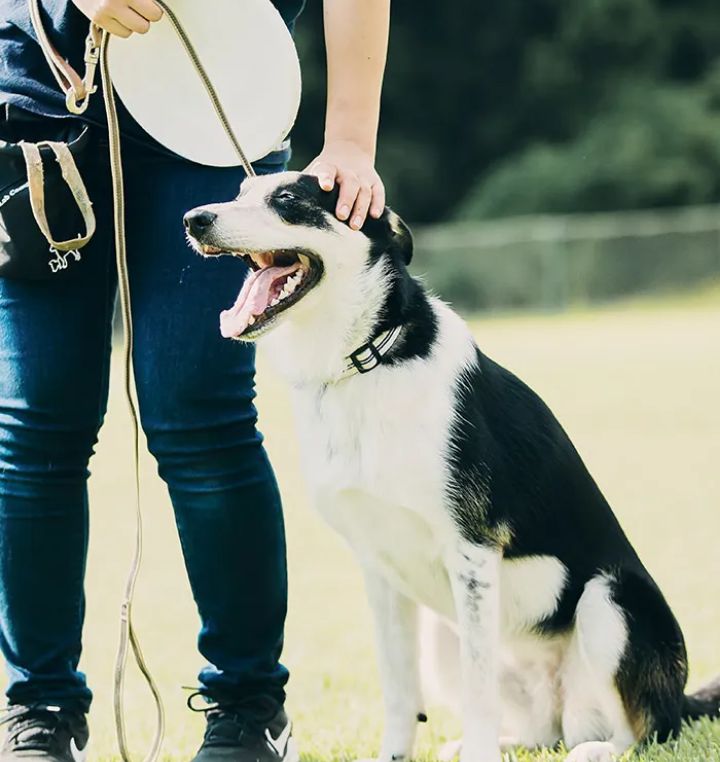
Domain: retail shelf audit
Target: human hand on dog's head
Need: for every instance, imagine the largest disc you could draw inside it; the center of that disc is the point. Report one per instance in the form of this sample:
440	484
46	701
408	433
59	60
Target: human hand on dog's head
353	169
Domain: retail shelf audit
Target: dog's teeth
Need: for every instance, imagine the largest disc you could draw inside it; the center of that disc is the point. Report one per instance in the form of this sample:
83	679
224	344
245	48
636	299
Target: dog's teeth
274	302
251	321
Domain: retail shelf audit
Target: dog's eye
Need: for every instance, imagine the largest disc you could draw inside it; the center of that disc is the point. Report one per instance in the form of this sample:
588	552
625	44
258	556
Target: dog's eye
286	195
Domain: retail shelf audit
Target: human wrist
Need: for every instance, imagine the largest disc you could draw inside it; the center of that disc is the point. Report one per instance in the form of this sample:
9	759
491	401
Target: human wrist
359	142
349	127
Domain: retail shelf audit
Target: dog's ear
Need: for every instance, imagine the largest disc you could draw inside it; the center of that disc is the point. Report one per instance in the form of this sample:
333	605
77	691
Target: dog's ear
400	236
390	235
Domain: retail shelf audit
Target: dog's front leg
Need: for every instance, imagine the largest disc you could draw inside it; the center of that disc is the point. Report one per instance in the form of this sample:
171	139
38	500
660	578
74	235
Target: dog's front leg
474	576
396	630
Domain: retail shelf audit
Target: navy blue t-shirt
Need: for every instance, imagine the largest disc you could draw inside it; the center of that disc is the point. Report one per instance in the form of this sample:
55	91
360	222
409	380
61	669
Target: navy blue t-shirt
25	78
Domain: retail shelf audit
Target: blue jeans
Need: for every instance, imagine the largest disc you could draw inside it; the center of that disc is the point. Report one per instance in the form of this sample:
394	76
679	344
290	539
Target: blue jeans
196	395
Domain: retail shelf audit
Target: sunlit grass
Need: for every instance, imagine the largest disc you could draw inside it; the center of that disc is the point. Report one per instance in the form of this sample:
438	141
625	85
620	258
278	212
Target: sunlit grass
637	389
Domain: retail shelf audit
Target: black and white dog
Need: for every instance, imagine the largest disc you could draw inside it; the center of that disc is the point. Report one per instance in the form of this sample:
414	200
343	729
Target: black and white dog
457	489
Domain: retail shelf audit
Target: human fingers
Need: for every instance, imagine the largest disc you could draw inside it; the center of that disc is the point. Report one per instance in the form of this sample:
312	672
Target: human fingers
132	20
325	173
147	9
349	189
362	205
377	205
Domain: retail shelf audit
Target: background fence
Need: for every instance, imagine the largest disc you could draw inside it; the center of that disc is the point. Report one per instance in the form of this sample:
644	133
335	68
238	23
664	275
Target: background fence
554	261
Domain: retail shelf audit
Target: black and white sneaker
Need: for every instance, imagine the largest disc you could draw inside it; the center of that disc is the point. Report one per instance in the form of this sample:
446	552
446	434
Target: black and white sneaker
248	731
44	733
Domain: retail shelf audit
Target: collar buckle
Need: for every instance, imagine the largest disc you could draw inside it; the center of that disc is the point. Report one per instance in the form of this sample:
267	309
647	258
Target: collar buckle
370	355
366	358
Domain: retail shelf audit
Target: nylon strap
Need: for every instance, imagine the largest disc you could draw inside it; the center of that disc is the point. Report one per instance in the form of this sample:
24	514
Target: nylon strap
36	187
77	90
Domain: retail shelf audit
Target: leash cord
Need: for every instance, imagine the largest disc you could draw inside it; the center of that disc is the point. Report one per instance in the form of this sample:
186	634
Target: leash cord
128	636
209	87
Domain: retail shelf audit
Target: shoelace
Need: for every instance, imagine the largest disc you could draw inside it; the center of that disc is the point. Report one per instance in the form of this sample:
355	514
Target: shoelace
234	722
45	720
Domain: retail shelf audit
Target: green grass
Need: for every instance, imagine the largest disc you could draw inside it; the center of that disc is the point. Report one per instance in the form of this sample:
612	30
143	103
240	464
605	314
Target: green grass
636	387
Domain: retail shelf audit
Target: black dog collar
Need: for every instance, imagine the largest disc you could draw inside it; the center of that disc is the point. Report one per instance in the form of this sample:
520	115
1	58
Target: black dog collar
369	355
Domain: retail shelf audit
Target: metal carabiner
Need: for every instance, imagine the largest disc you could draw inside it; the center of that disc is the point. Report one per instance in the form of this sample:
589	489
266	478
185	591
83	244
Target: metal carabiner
77	105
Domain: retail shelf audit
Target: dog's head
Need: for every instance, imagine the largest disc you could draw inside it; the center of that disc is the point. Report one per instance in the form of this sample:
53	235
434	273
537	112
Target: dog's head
303	260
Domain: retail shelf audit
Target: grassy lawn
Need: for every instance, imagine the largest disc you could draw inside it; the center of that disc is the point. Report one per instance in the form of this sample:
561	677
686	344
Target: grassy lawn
637	389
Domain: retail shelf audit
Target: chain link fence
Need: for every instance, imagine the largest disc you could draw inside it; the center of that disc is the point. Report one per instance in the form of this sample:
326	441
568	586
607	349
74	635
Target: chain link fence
554	261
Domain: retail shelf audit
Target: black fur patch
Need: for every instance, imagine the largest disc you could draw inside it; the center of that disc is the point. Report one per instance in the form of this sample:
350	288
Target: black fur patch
304	202
408	305
407	302
520	483
653	670
389	236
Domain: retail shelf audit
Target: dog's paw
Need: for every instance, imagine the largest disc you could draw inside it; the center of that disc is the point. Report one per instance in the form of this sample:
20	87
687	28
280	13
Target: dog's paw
494	755
508	743
450	750
592	751
388	757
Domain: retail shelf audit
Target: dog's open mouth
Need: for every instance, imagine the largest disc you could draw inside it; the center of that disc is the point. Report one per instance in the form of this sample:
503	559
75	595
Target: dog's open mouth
277	280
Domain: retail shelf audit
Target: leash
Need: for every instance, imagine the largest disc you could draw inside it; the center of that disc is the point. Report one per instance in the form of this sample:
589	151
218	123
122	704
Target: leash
128	636
77	94
77	90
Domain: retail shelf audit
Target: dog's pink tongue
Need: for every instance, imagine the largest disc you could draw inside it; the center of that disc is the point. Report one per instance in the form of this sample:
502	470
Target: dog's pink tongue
252	300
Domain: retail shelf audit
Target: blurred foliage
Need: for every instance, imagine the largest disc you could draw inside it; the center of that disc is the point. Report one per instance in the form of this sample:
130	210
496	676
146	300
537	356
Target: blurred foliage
513	106
655	147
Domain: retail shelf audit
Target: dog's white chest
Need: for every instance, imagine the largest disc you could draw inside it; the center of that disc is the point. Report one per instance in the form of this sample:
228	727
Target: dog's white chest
375	457
379	436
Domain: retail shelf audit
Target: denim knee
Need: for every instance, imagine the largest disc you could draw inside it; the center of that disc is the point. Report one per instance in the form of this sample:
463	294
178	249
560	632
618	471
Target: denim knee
205	442
47	436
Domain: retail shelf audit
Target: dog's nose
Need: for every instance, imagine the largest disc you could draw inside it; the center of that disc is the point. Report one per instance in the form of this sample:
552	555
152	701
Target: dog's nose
198	221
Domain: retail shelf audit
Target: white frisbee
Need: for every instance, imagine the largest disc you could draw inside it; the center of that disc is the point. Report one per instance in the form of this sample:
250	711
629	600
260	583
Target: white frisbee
249	56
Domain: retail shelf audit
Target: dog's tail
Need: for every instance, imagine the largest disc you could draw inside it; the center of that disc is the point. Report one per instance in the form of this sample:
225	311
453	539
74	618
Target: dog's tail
703	703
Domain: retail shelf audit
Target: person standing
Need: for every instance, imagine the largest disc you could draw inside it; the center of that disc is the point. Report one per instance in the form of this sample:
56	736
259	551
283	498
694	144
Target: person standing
195	393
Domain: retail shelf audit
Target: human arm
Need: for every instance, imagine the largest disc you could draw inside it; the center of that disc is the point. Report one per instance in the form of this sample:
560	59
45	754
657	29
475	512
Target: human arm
356	40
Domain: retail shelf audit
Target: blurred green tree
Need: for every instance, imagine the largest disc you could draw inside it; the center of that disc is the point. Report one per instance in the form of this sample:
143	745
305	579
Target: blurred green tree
511	106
